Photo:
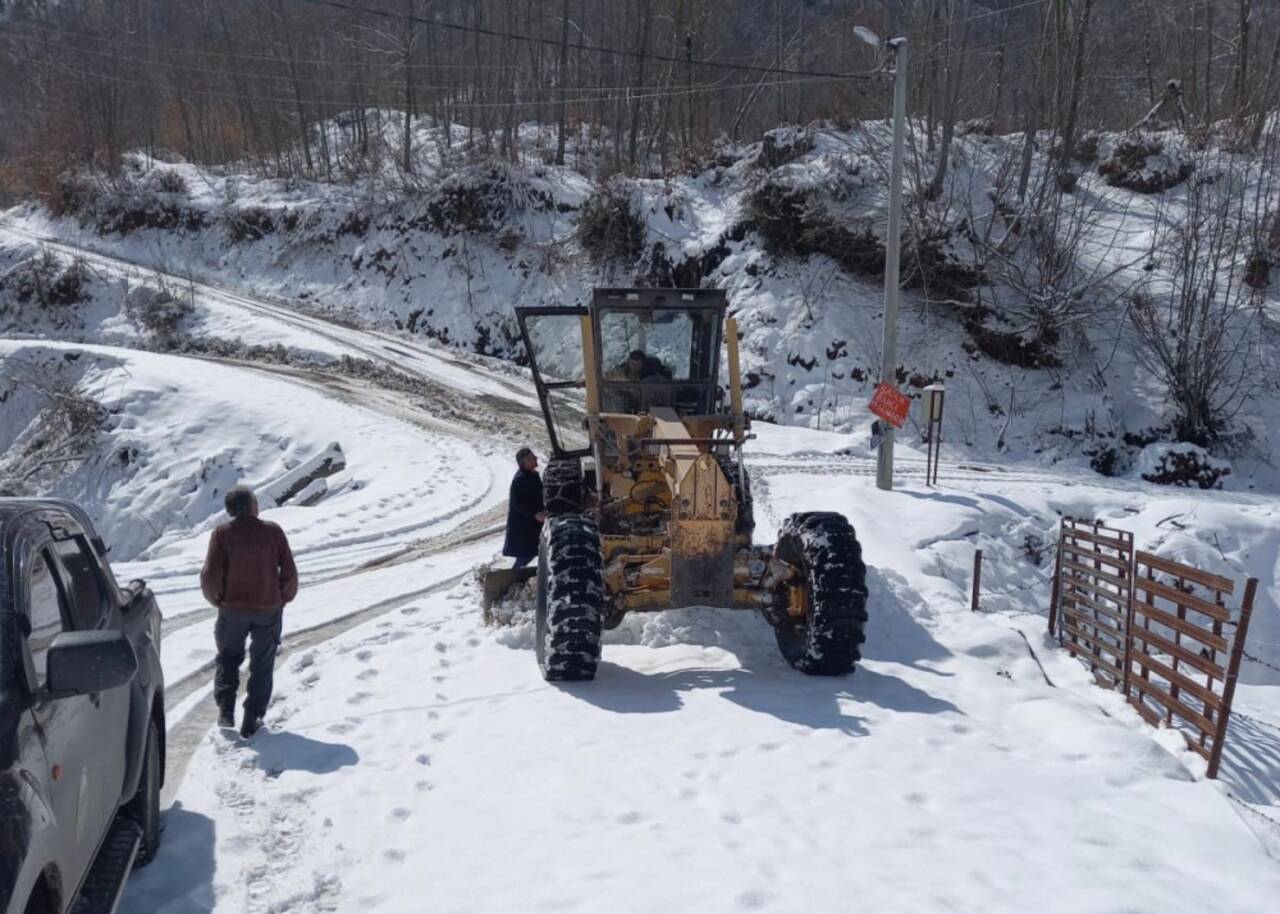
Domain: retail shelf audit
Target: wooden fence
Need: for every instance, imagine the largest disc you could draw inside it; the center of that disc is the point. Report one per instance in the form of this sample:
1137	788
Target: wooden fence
1093	588
1160	631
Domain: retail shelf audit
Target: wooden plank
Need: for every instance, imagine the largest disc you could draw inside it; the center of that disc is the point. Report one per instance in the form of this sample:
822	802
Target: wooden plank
1195	746
1081	599
1149	714
1114	561
1095	573
1183	682
1086	585
1072	624
1214	581
1126	545
1180	651
1094	661
1190	629
1190	601
1195	718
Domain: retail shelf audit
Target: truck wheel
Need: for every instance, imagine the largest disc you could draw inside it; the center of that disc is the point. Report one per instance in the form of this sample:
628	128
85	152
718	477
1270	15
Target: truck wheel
570	598
737	475
144	808
825	640
562	486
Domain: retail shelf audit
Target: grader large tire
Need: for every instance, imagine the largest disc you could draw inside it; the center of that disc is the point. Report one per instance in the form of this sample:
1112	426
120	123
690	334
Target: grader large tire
570	608
562	486
826	640
737	475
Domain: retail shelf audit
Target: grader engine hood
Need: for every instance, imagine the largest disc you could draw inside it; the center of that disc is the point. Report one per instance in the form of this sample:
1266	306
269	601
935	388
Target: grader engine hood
703	515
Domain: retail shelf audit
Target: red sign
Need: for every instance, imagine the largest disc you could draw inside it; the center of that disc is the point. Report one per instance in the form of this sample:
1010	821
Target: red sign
891	405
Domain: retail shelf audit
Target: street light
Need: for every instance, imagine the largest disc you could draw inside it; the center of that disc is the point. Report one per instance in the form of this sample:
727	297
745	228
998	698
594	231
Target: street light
893	239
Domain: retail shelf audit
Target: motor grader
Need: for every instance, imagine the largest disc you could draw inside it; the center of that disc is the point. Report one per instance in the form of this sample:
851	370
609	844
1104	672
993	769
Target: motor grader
648	500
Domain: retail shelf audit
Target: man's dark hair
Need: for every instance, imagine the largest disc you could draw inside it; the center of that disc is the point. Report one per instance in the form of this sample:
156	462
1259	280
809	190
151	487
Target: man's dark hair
239	500
637	355
523	453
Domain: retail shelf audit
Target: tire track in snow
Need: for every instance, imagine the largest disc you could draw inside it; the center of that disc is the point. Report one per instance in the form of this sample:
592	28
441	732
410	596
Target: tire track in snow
370	344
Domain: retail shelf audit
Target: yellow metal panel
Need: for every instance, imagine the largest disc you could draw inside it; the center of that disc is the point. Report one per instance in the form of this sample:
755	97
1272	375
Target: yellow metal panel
589	366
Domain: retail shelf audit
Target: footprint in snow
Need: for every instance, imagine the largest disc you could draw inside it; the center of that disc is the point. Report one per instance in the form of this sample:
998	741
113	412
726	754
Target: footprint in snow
423	759
752	900
341	727
394	855
364	656
400	813
629	818
424	786
367	674
440	736
359	698
441	647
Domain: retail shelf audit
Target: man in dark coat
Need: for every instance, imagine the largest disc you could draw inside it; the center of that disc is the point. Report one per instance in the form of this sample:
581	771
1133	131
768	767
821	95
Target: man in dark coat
640	366
249	576
525	512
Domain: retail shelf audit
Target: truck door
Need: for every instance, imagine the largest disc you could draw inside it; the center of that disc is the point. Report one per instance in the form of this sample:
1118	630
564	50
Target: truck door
85	595
553	341
68	727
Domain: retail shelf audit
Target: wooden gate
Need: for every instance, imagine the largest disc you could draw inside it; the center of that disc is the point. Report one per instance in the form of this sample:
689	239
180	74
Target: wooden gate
1092	587
1184	650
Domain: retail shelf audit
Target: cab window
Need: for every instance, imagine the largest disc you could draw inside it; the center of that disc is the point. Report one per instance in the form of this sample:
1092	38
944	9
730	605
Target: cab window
44	611
85	594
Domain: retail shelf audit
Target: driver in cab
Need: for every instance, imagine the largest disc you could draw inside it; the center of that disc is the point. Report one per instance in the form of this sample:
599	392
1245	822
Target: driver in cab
640	366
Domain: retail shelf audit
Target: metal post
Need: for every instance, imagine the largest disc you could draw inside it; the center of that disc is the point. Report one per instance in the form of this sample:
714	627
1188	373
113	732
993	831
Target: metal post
977	579
1233	671
893	251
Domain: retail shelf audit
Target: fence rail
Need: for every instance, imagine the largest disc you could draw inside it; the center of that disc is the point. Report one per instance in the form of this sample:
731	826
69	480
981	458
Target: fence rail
1092	603
1178	623
1162	632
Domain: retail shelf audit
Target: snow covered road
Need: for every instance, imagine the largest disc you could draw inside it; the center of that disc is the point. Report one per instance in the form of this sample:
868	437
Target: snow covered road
416	760
419	762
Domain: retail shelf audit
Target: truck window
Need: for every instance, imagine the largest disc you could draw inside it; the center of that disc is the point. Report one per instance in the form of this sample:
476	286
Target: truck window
44	610
85	597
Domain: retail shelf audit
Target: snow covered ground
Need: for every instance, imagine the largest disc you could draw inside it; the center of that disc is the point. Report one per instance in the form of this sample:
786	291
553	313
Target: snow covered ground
419	762
415	760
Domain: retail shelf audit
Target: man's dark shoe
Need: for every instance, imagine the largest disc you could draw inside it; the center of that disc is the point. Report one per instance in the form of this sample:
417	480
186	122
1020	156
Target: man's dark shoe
227	718
252	724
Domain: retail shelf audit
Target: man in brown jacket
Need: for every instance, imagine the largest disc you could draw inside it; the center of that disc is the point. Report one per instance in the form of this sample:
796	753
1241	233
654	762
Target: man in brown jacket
249	576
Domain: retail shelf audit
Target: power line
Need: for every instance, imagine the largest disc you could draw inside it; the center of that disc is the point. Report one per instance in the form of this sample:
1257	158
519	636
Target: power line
594	49
148	43
453	105
340	81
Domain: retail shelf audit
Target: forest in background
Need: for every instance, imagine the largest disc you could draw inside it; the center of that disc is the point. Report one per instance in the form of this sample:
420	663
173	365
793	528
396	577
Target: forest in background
643	87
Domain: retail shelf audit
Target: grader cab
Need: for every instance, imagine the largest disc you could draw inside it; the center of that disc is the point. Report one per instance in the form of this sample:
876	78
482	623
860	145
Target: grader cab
648	500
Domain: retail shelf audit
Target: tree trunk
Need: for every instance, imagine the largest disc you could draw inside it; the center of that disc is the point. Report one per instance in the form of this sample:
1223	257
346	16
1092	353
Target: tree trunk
646	21
955	76
561	77
1077	88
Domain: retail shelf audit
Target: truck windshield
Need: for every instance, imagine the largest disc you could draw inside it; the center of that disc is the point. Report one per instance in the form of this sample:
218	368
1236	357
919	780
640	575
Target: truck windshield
657	344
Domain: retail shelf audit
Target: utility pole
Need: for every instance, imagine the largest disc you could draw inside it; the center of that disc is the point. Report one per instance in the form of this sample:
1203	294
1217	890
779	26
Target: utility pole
893	253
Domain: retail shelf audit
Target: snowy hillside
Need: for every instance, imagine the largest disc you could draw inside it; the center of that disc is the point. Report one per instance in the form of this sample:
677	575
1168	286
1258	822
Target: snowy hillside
1027	315
350	352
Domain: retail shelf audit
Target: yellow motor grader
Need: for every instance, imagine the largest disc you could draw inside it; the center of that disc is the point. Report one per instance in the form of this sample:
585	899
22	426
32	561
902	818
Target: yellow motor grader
648	500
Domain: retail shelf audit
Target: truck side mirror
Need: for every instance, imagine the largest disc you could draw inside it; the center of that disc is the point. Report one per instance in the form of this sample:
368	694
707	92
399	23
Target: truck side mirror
82	663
